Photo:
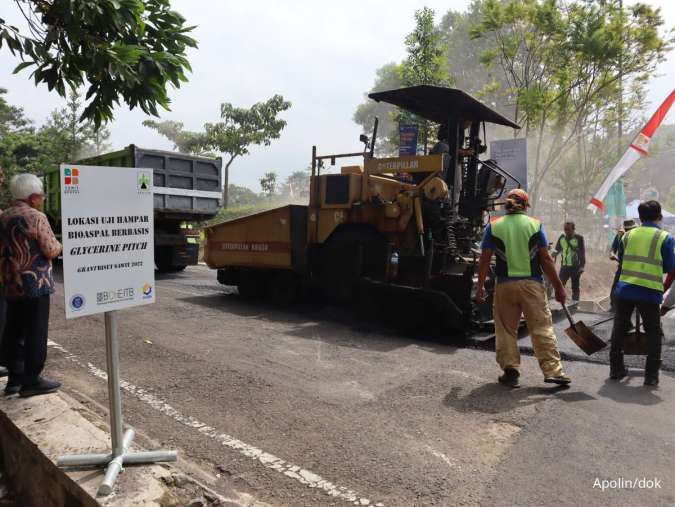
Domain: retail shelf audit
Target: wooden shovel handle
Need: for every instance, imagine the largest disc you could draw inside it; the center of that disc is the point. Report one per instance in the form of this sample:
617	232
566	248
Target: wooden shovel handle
568	315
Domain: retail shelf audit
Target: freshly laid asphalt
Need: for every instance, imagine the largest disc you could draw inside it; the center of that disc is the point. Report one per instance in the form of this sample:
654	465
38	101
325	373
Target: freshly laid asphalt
310	406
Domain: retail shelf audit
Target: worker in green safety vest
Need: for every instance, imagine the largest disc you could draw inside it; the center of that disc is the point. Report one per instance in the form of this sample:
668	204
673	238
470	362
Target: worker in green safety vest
570	247
645	253
521	249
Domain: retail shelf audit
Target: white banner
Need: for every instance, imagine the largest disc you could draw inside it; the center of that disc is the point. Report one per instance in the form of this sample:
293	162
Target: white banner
108	248
629	158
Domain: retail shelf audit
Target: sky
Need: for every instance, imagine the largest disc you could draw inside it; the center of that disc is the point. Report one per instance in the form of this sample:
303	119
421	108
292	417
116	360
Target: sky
321	56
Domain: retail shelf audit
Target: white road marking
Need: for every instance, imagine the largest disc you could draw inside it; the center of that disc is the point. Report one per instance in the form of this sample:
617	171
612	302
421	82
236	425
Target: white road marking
268	460
450	462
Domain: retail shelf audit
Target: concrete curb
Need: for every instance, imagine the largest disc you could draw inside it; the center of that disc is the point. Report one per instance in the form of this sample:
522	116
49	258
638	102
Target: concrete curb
35	431
35	479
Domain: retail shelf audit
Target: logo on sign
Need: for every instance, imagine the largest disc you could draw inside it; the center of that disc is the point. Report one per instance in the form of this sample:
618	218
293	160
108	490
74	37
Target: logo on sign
147	291
71	180
143	181
77	302
114	296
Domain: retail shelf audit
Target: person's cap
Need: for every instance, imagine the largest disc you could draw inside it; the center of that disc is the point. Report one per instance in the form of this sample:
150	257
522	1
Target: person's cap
629	224
518	197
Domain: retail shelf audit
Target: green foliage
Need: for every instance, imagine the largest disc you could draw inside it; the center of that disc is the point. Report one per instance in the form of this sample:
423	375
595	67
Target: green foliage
562	63
268	183
387	77
242	196
226	214
19	145
459	67
424	65
63	138
183	140
296	186
425	61
240	129
67	139
120	49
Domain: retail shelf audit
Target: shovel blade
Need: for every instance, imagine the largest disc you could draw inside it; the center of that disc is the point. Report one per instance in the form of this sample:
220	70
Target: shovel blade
635	344
585	339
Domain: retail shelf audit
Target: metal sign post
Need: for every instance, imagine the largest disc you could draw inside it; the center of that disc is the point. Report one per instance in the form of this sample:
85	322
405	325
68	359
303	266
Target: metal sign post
115	461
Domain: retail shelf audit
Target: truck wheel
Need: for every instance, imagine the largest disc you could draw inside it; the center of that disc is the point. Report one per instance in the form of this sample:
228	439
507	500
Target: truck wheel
284	288
252	285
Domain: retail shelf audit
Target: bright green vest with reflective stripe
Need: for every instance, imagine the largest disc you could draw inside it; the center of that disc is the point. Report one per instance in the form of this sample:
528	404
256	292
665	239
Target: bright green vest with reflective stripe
642	263
516	238
568	249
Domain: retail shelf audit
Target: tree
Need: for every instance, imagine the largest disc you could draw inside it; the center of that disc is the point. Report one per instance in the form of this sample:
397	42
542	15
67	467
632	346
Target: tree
387	77
241	128
66	139
268	183
11	117
563	62
19	145
120	49
296	185
424	65
463	56
183	140
242	196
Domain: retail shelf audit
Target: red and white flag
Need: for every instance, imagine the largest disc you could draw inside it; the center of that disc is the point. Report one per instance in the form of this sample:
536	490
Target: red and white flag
638	148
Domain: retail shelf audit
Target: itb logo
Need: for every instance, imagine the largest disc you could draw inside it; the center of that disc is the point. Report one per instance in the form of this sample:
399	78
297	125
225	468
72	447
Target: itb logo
77	302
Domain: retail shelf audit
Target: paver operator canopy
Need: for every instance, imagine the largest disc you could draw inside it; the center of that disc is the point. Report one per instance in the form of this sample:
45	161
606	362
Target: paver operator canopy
439	104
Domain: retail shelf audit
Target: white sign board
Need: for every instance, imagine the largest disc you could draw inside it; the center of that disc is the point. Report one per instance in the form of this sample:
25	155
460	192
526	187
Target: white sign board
108	248
511	155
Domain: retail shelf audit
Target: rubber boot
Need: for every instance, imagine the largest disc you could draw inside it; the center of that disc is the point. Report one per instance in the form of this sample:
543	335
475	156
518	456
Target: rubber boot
652	372
617	369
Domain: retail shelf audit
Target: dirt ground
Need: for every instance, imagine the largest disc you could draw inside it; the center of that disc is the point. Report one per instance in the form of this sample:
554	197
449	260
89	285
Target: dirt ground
597	278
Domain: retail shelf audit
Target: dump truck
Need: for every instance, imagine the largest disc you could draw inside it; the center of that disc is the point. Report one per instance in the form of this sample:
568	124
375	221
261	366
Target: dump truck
404	230
187	190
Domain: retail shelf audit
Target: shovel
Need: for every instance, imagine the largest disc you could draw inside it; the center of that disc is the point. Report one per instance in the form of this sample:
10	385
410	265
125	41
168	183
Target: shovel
636	343
582	335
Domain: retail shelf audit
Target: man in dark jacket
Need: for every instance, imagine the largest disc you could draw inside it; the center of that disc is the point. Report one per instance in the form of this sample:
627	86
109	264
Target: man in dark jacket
571	247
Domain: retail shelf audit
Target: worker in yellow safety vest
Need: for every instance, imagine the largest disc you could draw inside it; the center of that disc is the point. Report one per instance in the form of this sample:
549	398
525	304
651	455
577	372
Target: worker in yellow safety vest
521	248
571	248
645	253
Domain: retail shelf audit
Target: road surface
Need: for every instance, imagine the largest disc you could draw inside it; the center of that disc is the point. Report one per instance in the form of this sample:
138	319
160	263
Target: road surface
311	407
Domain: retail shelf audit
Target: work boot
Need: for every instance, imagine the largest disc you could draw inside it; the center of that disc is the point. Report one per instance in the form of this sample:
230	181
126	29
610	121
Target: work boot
41	386
617	368
13	385
652	372
561	379
510	378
